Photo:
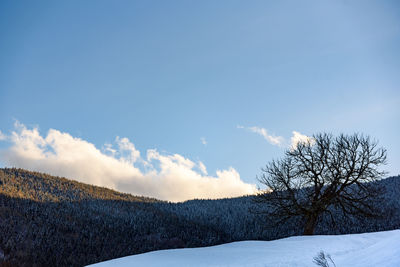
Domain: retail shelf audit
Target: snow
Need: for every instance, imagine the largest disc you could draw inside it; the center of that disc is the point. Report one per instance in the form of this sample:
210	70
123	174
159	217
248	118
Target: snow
357	250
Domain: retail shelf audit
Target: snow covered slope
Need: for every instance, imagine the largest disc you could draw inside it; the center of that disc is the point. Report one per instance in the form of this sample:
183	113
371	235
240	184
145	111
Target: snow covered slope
358	250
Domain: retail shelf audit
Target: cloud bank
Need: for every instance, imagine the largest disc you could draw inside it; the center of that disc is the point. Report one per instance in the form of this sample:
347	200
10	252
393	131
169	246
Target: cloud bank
119	166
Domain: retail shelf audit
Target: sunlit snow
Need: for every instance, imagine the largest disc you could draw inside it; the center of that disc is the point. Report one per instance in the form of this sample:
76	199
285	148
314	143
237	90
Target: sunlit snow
358	250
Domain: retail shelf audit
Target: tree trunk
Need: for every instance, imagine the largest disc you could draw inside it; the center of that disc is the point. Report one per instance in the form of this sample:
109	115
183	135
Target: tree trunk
311	222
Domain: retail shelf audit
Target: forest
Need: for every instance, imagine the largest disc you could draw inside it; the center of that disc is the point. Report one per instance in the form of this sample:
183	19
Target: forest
52	221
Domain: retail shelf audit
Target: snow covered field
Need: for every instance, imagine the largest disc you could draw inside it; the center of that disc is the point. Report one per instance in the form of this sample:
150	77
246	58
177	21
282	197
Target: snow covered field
359	250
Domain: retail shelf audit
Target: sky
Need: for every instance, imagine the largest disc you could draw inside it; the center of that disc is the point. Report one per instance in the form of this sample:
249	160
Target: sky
190	99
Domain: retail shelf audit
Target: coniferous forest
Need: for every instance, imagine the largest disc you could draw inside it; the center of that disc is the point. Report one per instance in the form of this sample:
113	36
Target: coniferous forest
52	221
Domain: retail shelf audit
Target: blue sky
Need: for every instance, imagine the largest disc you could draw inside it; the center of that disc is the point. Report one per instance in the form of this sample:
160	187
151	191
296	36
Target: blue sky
165	74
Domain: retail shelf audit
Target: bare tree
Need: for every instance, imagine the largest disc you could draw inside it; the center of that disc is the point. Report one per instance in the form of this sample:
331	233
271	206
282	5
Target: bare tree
320	173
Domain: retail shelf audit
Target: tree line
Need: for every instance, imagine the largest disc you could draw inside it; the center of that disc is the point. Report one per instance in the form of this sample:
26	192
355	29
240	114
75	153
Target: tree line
47	220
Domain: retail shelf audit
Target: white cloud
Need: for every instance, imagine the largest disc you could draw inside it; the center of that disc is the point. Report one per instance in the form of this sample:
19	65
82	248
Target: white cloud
274	140
279	140
2	136
126	146
203	141
168	177
299	138
108	149
202	168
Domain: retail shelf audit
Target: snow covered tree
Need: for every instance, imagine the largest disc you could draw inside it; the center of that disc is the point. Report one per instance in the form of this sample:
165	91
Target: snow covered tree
322	173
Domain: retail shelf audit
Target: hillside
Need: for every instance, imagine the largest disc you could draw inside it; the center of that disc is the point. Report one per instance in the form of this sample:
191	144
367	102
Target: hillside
356	250
53	221
43	187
